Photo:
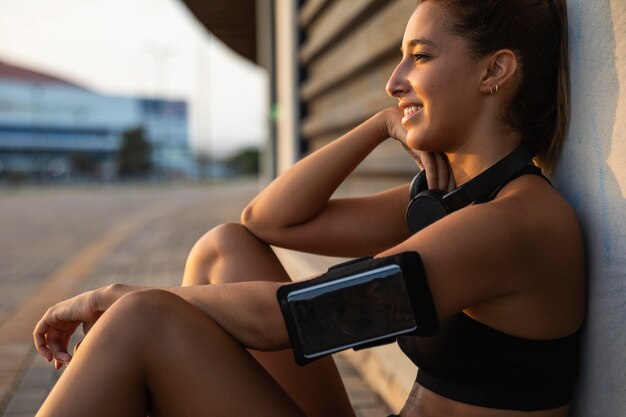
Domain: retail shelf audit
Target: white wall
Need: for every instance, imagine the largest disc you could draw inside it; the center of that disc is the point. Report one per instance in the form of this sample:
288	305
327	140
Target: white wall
592	176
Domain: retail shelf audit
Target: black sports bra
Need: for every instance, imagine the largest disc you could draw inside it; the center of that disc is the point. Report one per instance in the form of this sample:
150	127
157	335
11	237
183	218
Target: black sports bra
472	363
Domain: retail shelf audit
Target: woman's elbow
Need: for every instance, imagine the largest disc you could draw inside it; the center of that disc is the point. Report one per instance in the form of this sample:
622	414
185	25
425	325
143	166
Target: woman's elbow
250	220
247	217
258	225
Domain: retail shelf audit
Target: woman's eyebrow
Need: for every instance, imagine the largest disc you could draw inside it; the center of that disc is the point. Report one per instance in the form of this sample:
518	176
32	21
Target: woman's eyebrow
419	41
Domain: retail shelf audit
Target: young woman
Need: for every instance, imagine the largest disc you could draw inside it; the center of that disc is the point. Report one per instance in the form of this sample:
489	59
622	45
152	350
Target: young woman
507	277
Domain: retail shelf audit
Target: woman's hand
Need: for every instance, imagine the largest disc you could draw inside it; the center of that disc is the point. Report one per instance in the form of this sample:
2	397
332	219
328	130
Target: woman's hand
392	119
52	333
438	172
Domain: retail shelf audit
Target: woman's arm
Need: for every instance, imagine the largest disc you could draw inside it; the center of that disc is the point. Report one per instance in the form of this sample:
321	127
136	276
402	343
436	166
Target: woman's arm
294	211
313	179
248	311
519	257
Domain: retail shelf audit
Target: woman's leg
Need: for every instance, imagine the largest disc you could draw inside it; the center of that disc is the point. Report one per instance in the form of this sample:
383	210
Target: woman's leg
153	352
230	253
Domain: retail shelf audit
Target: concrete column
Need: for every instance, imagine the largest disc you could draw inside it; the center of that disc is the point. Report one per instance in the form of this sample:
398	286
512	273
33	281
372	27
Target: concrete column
592	176
265	46
288	125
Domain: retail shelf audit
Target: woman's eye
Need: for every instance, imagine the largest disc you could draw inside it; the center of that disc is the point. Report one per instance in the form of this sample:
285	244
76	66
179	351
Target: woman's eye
419	57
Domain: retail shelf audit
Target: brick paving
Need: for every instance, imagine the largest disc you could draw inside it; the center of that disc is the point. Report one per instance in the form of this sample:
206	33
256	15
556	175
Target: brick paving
56	243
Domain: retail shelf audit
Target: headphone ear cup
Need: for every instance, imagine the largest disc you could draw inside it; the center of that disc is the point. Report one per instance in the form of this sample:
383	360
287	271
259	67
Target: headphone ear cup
425	209
419	183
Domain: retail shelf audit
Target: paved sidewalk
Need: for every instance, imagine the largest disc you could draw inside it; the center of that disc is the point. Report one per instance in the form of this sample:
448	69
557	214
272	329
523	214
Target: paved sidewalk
57	243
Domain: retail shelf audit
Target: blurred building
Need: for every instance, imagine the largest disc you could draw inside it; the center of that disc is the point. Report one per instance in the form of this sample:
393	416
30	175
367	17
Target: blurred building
51	127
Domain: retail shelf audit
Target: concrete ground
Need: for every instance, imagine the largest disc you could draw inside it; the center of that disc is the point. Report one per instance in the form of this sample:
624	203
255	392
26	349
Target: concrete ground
56	243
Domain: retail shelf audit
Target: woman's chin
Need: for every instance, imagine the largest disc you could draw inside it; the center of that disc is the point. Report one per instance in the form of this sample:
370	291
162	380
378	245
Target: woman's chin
418	143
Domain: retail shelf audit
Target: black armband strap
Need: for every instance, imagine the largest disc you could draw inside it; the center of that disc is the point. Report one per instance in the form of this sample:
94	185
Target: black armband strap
357	304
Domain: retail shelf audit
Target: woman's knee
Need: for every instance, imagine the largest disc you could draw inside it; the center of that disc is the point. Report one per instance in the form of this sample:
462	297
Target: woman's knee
144	306
131	321
225	243
214	245
141	319
145	311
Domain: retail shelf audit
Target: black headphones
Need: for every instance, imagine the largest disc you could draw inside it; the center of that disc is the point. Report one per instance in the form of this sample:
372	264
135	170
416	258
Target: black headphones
428	206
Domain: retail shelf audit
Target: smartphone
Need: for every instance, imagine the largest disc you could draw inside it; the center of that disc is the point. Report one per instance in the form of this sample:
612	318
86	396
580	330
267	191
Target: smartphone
359	304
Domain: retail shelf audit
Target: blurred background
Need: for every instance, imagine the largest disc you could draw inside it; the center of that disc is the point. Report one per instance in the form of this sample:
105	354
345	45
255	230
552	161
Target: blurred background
102	92
130	128
192	90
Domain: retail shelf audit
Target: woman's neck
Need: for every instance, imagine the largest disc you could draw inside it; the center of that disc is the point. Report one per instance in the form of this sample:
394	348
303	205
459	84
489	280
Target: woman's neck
475	157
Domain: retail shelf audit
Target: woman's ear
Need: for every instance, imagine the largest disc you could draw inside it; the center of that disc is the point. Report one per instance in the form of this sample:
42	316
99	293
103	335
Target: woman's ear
500	73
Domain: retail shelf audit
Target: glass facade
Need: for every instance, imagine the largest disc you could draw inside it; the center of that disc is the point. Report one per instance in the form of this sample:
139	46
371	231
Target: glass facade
45	126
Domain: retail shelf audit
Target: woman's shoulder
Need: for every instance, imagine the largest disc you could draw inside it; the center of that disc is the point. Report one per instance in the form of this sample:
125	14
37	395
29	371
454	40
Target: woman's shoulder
536	203
548	228
548	243
518	244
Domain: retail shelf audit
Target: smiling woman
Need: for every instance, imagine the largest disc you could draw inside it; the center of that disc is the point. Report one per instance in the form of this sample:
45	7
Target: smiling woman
467	75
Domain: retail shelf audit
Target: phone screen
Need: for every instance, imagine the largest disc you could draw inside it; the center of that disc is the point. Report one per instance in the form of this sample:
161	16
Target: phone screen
352	311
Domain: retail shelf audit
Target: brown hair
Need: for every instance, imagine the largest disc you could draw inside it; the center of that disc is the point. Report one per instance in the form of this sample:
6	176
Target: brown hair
536	31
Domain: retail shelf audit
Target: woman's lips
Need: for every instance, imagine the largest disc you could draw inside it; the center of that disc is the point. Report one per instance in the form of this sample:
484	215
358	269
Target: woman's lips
410	111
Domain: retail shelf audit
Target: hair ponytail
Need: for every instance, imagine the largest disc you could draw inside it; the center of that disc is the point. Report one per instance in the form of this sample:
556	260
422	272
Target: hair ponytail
547	157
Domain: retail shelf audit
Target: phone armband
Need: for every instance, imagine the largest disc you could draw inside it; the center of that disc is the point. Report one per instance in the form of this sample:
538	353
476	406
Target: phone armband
358	304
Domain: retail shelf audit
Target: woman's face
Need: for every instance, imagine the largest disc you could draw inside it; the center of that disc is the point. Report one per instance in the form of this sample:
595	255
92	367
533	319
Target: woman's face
436	82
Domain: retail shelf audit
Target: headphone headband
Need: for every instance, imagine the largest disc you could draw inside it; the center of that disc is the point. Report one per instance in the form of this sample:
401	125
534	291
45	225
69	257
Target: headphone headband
487	181
428	206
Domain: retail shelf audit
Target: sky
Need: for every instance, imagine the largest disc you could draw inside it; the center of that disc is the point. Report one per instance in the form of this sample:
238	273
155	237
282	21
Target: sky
143	47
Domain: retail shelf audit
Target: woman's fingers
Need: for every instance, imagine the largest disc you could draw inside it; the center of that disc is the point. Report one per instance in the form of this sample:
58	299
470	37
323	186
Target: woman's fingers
413	154
53	332
66	343
39	337
438	172
451	181
57	343
393	122
51	343
430	166
443	171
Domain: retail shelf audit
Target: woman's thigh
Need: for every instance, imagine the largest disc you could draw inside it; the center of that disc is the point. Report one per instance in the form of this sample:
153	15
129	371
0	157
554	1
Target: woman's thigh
154	351
230	253
198	369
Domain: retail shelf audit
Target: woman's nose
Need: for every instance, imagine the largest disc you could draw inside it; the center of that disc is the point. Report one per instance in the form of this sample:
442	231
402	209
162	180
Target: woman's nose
397	84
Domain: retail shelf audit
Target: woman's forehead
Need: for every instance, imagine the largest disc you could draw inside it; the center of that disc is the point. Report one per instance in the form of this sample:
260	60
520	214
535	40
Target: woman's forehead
427	26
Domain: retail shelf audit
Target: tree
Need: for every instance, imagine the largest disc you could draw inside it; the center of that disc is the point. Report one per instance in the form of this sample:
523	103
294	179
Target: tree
246	162
84	164
134	155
